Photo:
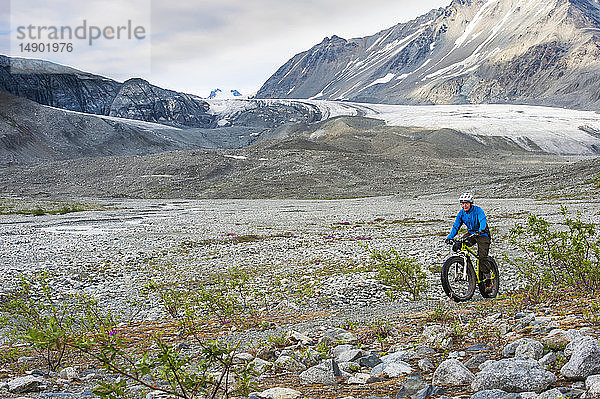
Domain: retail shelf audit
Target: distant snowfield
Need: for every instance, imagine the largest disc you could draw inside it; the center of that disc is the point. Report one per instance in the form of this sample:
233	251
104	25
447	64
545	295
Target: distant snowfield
554	130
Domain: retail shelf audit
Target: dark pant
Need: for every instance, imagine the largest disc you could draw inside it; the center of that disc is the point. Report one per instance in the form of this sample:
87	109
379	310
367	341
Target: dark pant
483	249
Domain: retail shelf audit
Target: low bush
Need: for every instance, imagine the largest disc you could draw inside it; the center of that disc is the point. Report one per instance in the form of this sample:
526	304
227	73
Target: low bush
557	257
400	273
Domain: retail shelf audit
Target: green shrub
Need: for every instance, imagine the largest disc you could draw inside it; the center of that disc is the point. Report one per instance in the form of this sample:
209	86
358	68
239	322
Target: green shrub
557	258
205	375
50	321
400	273
57	324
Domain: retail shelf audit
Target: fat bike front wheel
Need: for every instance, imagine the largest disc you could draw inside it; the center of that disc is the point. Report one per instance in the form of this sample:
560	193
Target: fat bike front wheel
458	279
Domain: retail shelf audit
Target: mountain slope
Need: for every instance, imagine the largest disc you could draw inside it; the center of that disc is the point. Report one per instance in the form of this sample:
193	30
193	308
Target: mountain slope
67	88
473	51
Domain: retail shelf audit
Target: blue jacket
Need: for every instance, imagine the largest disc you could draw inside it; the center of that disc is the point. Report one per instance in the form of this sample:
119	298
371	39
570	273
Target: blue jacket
475	221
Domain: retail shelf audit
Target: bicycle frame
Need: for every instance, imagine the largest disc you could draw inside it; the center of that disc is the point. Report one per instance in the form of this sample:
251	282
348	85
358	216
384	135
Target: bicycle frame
465	250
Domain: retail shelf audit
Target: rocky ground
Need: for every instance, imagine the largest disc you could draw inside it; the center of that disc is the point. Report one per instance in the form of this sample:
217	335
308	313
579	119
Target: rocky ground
308	267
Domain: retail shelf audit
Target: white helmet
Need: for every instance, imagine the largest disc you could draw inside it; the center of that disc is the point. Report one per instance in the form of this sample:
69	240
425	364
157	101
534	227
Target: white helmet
466	197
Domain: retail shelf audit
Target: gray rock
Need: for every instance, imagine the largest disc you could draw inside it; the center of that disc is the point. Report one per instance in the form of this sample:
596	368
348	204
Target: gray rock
584	361
495	394
551	394
349	356
294	337
338	336
592	383
428	392
425	364
526	347
69	373
452	372
513	375
358	379
548	359
531	349
29	383
289	363
325	373
279	393
339	349
413	384
260	365
438	336
369	361
476	361
403	356
397	369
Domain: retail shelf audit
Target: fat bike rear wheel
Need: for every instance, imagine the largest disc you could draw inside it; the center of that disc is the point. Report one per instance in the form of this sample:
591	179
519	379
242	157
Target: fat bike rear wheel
458	279
494	278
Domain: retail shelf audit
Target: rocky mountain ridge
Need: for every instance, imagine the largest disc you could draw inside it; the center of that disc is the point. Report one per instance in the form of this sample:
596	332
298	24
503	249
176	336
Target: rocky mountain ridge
473	51
62	87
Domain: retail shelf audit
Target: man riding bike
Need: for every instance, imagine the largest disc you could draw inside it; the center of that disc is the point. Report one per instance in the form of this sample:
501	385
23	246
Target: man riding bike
474	218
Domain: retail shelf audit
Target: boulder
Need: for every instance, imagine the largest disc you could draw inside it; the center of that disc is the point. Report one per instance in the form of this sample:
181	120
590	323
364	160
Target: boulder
592	384
513	375
339	349
69	373
293	337
358	379
476	361
325	373
369	361
403	356
438	336
279	393
452	372
425	364
413	384
553	393
260	366
428	392
584	361
339	336
524	347
29	383
242	358
495	394
397	369
289	363
392	369
349	356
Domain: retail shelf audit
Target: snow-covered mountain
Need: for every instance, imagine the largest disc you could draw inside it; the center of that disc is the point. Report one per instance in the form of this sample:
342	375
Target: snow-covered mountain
218	94
473	51
532	128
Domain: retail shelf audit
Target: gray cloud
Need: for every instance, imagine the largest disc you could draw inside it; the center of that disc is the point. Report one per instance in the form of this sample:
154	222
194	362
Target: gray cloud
197	45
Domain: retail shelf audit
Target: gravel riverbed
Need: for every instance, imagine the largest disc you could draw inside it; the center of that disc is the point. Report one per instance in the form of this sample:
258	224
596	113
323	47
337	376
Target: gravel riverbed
111	253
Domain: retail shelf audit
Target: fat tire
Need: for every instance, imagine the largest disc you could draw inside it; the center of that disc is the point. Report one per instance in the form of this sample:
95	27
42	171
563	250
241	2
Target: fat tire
495	282
446	280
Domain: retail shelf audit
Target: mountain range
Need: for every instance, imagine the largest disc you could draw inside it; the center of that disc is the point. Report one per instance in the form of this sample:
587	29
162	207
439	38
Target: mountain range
473	51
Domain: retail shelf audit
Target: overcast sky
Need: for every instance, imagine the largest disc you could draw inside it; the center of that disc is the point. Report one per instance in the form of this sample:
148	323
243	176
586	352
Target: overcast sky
196	46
